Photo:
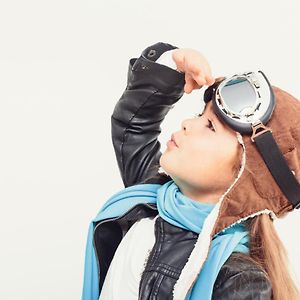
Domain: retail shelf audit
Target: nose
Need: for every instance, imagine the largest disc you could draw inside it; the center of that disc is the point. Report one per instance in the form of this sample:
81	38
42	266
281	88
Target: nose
185	124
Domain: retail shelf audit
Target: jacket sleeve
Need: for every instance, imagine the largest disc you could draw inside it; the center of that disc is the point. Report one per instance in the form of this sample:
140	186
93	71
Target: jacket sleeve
248	284
152	90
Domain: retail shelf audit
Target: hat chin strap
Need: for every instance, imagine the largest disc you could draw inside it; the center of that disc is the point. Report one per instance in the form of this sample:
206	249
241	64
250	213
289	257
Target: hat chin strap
277	164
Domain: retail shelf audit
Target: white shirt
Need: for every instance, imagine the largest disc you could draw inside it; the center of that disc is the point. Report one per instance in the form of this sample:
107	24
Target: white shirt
124	274
125	271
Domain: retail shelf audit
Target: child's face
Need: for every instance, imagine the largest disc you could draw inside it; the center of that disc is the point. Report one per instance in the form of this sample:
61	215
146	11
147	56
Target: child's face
202	164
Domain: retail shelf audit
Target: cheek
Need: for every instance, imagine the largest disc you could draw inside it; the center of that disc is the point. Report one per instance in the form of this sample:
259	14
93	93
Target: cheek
228	156
202	147
200	153
209	153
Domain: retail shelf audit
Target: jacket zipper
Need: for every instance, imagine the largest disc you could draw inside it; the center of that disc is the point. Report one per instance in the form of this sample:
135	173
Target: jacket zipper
109	220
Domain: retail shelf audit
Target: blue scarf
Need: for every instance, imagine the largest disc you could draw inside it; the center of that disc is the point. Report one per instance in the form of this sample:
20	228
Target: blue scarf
179	210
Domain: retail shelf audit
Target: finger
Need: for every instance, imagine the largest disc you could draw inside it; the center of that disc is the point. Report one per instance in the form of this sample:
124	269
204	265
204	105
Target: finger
188	80
200	77
207	74
196	86
210	80
200	80
188	84
193	86
196	69
188	87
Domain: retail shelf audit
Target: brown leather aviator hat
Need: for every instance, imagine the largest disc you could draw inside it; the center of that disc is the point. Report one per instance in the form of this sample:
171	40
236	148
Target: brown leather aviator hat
254	190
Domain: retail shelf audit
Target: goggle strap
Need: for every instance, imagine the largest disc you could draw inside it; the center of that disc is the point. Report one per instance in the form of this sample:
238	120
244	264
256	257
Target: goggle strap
256	126
278	167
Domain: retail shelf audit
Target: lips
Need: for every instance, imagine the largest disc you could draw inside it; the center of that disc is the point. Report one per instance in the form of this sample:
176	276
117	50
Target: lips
173	139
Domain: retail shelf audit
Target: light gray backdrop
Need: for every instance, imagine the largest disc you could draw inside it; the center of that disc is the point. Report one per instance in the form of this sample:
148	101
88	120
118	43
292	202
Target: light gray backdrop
63	67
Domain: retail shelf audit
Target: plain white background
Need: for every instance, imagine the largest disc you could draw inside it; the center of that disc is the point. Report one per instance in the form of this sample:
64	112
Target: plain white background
63	67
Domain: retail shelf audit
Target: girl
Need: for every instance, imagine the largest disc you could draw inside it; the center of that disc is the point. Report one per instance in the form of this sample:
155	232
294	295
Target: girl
203	227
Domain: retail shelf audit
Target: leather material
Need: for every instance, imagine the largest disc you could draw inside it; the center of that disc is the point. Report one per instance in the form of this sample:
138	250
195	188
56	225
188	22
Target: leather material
237	279
152	89
172	248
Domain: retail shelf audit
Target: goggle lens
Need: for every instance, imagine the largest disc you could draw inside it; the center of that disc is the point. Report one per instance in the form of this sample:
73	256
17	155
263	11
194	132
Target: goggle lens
239	95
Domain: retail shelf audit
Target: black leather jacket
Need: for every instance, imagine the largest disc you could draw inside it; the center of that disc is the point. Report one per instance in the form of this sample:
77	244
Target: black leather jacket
152	89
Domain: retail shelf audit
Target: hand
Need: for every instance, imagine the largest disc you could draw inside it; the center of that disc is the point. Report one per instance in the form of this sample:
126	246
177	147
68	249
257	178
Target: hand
195	66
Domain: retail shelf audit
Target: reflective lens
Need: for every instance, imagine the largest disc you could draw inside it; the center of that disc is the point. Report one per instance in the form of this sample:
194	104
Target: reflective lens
239	95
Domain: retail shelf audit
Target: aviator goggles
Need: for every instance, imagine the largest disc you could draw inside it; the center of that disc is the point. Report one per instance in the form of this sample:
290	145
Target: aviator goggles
246	103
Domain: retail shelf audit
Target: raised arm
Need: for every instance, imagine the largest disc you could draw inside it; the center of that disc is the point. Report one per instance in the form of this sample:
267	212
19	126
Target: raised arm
152	89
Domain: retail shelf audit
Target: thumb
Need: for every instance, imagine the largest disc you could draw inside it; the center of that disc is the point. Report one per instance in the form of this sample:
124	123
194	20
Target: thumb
178	57
188	87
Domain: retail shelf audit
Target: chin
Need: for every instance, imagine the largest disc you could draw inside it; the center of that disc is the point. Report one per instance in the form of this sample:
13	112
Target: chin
164	165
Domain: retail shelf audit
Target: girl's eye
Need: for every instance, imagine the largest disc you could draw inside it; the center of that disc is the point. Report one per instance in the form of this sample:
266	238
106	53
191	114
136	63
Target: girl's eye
198	115
210	125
